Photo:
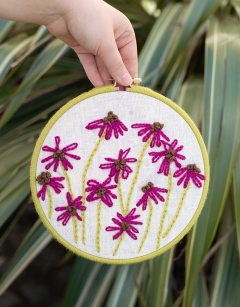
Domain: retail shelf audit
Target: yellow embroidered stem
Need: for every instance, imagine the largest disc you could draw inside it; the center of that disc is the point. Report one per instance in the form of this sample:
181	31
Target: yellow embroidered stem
75	229
50	202
65	173
98	246
165	209
89	162
120	194
83	227
118	244
135	178
173	221
150	206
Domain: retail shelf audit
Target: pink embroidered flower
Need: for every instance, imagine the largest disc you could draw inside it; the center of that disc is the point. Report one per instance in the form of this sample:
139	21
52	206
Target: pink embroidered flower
191	171
45	179
59	155
110	124
119	166
71	209
125	224
169	154
148	130
101	191
150	192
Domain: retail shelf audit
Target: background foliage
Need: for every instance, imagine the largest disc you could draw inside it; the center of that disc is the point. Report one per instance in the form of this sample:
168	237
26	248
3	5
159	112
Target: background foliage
189	51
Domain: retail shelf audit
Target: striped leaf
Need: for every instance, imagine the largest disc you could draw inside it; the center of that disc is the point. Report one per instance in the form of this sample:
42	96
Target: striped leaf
221	133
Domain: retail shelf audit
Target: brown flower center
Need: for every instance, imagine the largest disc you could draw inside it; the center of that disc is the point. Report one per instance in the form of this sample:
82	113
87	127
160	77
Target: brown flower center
43	178
147	187
59	155
194	168
170	155
100	192
110	118
125	226
71	210
156	126
120	164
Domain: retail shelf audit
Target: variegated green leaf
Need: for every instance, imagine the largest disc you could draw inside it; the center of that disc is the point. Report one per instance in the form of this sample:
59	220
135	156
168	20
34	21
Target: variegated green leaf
221	135
35	241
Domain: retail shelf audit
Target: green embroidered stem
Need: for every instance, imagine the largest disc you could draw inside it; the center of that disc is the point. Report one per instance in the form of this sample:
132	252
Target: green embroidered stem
118	244
150	206
165	209
50	201
65	173
135	178
98	247
120	194
89	162
173	221
75	229
83	227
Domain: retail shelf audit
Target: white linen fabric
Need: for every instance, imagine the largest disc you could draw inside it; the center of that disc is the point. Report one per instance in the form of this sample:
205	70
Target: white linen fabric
131	108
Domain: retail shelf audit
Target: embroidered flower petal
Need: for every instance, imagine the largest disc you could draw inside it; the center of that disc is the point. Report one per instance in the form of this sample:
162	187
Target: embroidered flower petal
60	208
66	164
117	222
107	200
78	216
179	172
110	228
42	192
70	147
134	229
117	235
181	179
131	234
47	148
187	179
123	154
95	124
197	182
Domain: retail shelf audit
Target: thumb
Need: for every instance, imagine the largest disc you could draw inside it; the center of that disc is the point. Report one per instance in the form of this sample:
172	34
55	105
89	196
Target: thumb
114	63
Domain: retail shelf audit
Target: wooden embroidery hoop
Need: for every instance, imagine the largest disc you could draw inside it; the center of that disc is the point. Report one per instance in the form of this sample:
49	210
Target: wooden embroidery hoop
53	120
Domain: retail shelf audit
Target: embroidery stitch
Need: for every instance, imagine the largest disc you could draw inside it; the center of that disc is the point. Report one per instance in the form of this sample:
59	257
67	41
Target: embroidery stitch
110	124
101	191
50	206
151	192
119	166
67	180
165	210
84	176
191	171
150	206
75	229
59	155
118	244
135	178
173	221
169	154
120	194
70	210
153	131
45	179
98	246
82	251
125	224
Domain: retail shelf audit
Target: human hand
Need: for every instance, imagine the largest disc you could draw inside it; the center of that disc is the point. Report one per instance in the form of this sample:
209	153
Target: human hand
102	37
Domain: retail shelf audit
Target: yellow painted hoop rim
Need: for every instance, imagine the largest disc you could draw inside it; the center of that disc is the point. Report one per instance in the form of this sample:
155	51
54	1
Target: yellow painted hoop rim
52	121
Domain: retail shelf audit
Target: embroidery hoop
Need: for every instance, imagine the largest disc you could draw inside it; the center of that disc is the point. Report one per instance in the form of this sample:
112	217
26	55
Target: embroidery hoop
40	142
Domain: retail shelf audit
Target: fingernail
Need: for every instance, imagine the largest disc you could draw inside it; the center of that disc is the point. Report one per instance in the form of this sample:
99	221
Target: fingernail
126	79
